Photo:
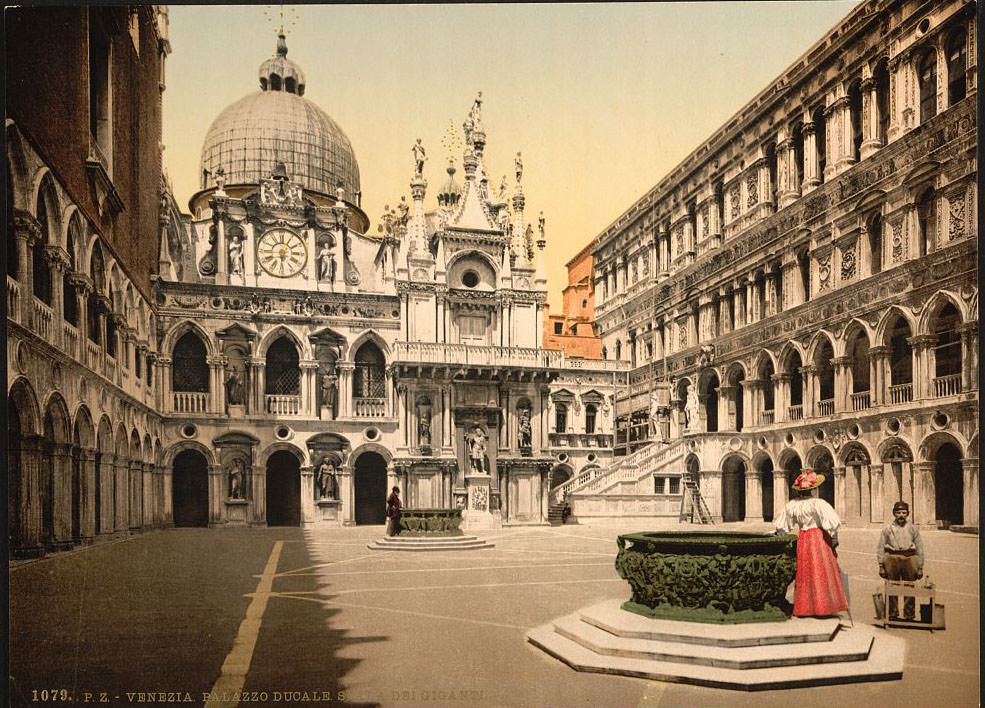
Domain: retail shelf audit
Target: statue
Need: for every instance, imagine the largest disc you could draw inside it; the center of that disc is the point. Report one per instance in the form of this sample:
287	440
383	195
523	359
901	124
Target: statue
656	431
234	388
419	157
477	450
475	113
403	212
518	164
691	409
540	226
325	479
329	390
236	478
220	181
387	220
326	263
502	189
424	432
255	304
236	255
525	431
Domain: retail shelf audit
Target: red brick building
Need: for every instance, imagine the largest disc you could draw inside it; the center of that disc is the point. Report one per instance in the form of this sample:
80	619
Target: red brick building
573	331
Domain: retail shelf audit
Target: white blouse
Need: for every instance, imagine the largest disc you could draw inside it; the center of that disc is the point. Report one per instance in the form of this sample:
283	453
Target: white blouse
810	513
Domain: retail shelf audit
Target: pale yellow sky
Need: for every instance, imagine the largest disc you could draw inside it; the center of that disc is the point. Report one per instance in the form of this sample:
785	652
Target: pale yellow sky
602	99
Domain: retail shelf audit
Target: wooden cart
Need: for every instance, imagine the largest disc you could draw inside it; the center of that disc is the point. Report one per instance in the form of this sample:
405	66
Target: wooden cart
928	614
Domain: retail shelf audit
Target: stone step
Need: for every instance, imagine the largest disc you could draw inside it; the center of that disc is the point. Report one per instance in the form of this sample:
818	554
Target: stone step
424	544
431	539
610	616
850	645
884	663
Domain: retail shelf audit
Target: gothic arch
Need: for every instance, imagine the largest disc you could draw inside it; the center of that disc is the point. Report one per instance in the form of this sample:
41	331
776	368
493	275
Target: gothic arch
810	460
370	447
179	330
736	367
855	447
734	454
919	176
816	342
790	347
855	325
473	253
764	357
894	447
37	186
283	331
104	435
888	318
136	455
70	216
934	305
22	396
148	449
368	336
56	411
787	455
122	443
83	432
871	201
17	167
759	458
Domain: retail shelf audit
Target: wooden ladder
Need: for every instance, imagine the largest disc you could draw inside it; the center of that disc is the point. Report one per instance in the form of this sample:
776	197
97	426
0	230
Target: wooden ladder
692	503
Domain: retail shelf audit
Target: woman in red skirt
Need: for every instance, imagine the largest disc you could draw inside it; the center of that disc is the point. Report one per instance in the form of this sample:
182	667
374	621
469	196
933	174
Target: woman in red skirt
817	589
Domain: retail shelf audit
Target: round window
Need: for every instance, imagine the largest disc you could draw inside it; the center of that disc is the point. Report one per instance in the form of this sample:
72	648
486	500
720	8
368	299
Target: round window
189	431
893	425
940	420
371	433
470	278
562	457
283	432
592	457
819	436
788	439
853	431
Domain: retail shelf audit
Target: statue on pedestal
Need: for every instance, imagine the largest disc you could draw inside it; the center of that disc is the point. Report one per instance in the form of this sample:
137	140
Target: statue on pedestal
236	255
525	430
419	157
237	476
329	390
326	263
325	479
518	165
476	441
691	409
234	387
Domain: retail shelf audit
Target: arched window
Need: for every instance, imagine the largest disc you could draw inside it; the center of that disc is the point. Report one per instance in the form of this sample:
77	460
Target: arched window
881	76
289	84
947	351
11	239
766	372
793	366
368	378
70	305
900	356
39	264
875	243
283	372
190	371
855	114
111	336
825	372
591	412
957	67
618	350
274	82
561	418
927	77
859	353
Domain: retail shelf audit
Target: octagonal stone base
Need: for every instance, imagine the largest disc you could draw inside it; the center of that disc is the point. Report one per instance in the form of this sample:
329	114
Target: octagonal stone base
797	653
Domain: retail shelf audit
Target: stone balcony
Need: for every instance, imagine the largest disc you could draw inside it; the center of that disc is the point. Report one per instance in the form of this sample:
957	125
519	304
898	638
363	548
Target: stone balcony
476	356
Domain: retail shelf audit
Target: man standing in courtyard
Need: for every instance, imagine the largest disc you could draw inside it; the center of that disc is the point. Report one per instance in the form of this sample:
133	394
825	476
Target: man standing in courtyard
393	512
900	553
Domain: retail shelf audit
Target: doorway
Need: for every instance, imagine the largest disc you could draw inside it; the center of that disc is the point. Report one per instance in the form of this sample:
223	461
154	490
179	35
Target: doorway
370	489
283	489
190	489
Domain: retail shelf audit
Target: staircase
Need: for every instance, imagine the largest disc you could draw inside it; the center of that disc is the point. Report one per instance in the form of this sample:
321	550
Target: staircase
555	513
693	505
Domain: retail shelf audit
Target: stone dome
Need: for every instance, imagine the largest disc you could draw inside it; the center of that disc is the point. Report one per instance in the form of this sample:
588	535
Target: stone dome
277	124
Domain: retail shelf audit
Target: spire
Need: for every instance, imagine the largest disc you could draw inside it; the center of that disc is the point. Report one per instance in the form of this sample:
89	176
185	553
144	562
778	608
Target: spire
540	276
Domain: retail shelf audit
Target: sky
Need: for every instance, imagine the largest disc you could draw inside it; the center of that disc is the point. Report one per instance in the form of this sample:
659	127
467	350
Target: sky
602	100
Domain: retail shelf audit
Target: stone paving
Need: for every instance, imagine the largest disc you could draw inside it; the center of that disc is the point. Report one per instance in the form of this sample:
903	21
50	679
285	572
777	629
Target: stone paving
285	617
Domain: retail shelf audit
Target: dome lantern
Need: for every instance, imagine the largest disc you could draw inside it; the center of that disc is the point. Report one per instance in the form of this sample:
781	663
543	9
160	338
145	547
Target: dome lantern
278	73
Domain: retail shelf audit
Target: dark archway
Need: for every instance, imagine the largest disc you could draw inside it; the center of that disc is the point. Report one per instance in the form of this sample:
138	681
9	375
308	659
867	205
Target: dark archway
733	489
370	489
824	464
560	475
283	489
190	489
765	472
948	485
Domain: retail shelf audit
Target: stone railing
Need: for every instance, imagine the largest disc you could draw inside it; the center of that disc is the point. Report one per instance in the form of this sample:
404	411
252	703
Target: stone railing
93	354
110	368
70	340
595	364
795	412
901	393
282	405
826	407
861	400
13	298
561	491
369	407
766	417
630	468
947	385
602	440
470	355
187	402
43	317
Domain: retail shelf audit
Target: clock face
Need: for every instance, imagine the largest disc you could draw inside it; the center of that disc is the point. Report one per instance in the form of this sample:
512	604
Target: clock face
282	253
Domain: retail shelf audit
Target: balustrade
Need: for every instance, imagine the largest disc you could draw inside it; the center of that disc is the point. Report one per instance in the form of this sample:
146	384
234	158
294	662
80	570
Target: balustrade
185	402
901	393
767	417
93	353
947	385
110	368
43	317
282	405
469	355
826	407
795	412
369	407
861	400
13	298
71	340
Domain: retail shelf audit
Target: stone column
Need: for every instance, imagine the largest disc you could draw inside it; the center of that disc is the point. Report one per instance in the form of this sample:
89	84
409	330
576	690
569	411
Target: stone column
136	487
772	306
148	510
923	365
811	167
781	396
60	455
307	496
105	511
786	157
840	496
258	501
969	356
781	491
346	496
309	397
217	384
87	494
346	393
167	483
254	387
726	395
217	494
751	299
750	401
26	233
879	374
724	315
871	141
877	494
754	496
121	497
969	470
739	290
27	531
58	263
842	366
663	241
924	495
808	376
165	395
793	287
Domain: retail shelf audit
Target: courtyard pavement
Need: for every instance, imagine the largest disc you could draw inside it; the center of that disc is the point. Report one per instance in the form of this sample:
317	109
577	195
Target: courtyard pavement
285	617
